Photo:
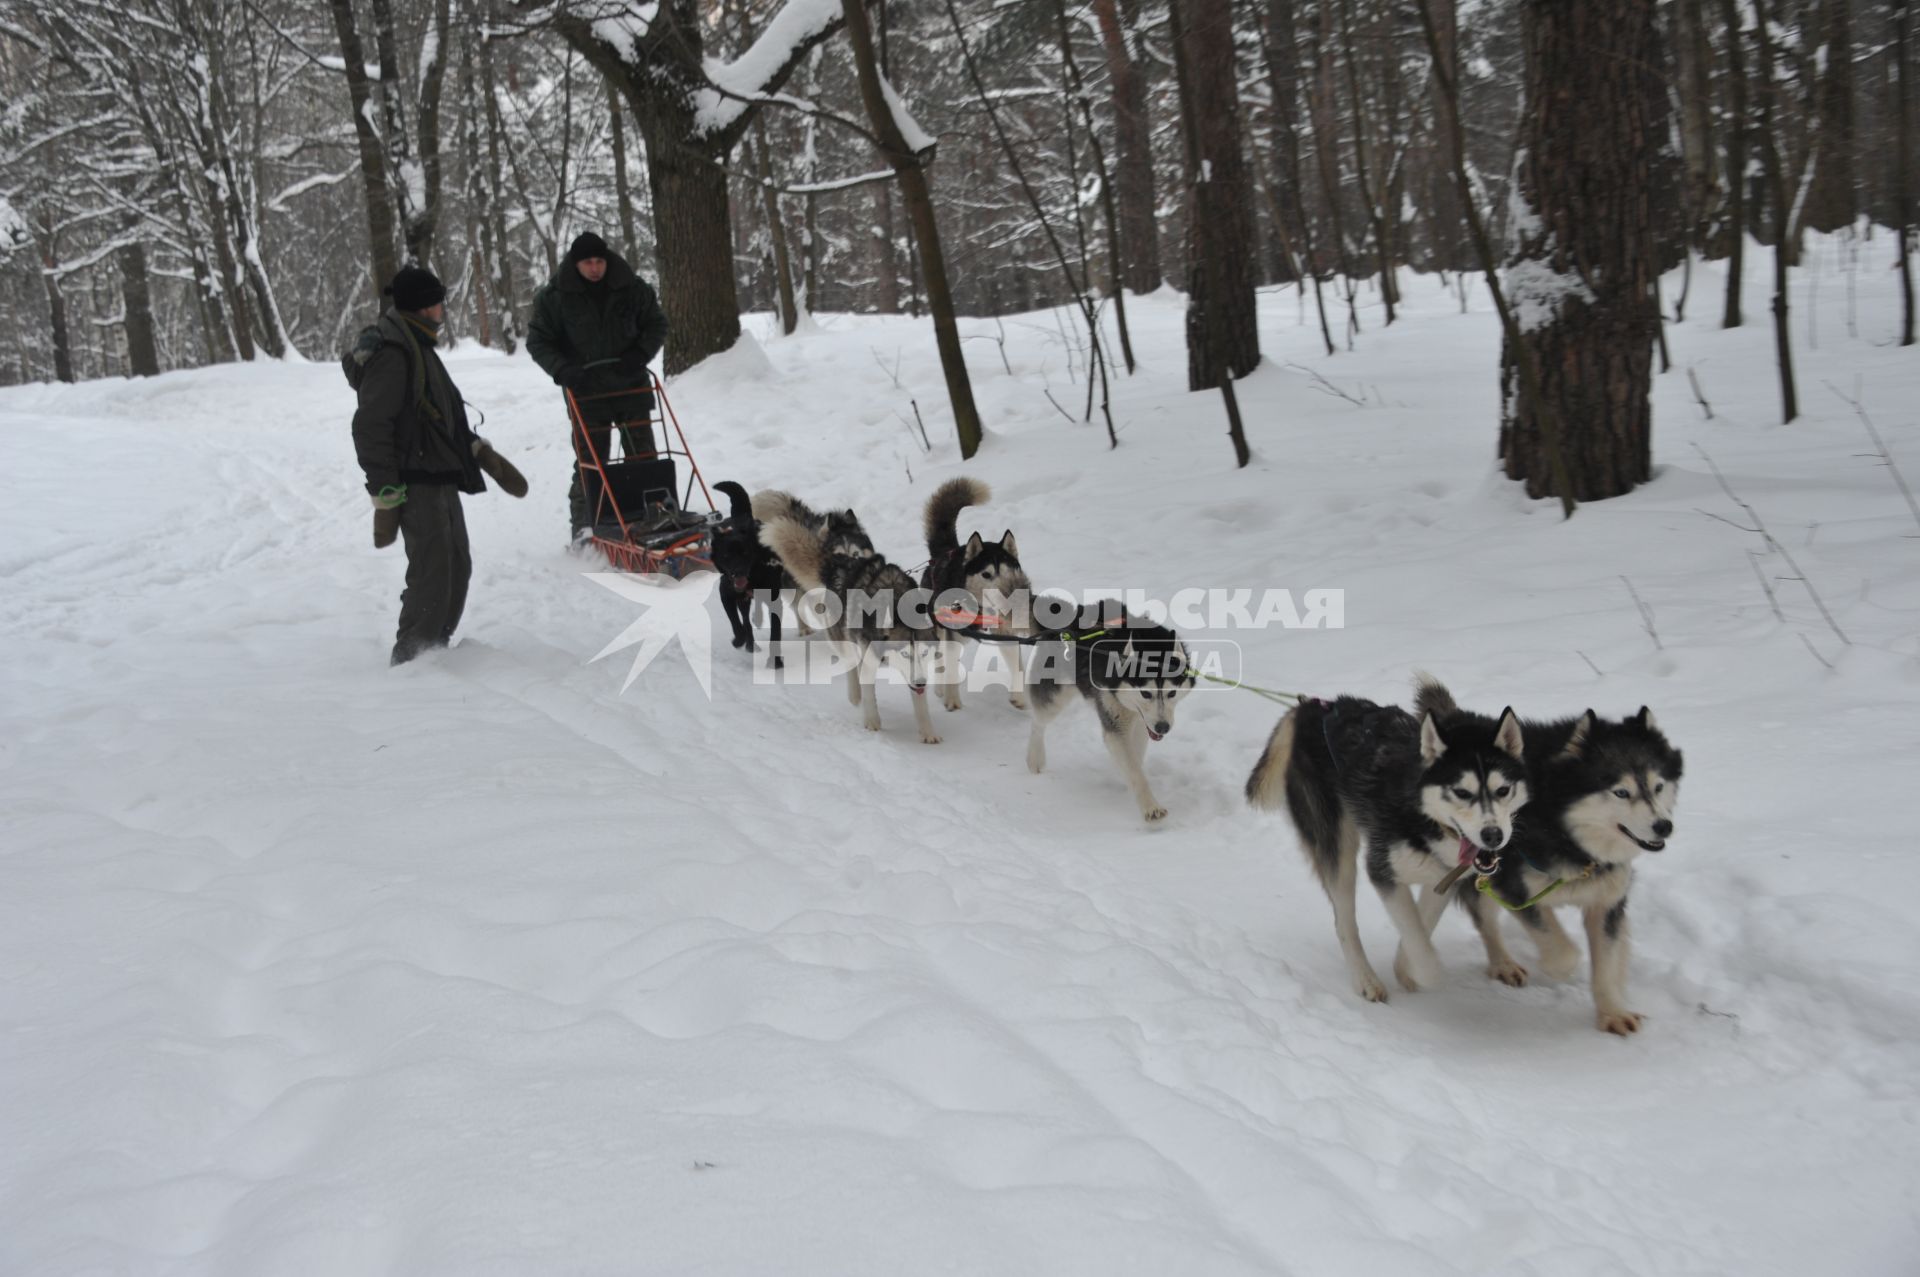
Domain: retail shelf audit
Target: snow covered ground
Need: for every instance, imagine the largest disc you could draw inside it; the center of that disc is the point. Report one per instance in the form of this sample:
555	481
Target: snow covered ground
481	967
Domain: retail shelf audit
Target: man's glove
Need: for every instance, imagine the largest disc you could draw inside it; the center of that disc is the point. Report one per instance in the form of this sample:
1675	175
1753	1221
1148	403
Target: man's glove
633	365
386	514
499	469
572	376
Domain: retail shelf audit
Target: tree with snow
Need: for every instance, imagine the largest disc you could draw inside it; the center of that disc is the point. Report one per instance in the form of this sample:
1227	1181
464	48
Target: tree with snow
1580	272
692	109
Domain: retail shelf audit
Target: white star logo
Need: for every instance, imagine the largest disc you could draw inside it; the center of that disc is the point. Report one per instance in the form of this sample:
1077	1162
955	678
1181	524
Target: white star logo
675	609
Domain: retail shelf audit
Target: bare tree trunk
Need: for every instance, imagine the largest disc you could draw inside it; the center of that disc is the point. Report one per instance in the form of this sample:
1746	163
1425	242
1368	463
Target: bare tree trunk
1903	165
1695	84
1280	48
1375	214
1223	337
1321	110
1139	224
1223	340
433	73
692	228
373	172
143	357
494	219
1451	249
1834	202
622	191
1109	206
758	161
1782	213
886	261
56	303
886	248
1737	151
1583	269
908	164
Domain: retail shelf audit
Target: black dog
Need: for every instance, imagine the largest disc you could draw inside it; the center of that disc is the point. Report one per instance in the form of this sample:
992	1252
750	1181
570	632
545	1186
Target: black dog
746	567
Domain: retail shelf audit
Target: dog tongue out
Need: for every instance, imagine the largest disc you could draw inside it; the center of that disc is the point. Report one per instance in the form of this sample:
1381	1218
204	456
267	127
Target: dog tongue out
1467	851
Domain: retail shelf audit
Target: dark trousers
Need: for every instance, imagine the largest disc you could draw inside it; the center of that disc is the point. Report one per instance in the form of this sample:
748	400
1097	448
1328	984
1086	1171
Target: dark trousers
636	440
439	563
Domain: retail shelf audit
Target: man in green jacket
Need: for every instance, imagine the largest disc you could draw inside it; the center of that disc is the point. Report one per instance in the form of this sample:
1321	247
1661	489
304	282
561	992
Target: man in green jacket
596	326
418	453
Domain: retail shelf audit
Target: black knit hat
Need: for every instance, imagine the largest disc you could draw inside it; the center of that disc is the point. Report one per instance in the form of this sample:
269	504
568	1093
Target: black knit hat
586	245
416	288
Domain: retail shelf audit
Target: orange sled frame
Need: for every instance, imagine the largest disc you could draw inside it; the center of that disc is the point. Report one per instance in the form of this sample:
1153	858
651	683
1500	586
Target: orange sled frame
663	537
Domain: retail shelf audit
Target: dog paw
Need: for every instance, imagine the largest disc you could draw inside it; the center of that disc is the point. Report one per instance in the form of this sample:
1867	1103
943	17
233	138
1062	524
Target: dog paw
1154	814
1018	702
1623	1023
1403	973
1509	973
739	642
952	706
929	738
1371	989
779	664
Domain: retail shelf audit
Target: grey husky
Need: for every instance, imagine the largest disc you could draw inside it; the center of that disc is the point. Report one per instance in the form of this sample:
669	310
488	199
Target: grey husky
1603	792
1426	794
873	621
1130	670
989	571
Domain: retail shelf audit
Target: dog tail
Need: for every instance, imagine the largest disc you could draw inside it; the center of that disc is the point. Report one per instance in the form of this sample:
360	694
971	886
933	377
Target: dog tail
1296	771
742	503
1430	696
771	503
943	509
1267	785
798	549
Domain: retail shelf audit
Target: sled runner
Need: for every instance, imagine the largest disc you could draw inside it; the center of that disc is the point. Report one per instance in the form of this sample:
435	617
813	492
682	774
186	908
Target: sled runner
639	515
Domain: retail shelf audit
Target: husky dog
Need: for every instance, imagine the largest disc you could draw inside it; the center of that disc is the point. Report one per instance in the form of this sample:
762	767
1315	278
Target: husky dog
746	568
874	621
989	571
839	530
1427	794
1603	792
1131	670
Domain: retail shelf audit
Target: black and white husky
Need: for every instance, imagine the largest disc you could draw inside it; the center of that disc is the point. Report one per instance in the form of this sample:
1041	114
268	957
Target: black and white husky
1129	669
989	571
839	530
873	618
1603	792
1427	794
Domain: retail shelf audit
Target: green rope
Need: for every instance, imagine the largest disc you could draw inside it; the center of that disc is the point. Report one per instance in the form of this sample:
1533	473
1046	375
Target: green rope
1485	887
1280	698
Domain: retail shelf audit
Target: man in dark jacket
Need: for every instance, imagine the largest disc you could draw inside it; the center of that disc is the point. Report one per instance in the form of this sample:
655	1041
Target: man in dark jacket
413	442
596	326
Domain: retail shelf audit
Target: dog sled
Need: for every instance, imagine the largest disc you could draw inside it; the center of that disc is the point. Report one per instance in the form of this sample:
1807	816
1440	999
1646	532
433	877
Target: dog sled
639	514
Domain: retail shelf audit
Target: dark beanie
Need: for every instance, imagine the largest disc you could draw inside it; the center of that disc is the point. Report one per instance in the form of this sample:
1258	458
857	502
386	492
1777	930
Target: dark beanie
416	288
586	245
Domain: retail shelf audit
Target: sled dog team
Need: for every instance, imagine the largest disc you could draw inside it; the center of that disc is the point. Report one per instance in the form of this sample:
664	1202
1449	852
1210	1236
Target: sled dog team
1503	814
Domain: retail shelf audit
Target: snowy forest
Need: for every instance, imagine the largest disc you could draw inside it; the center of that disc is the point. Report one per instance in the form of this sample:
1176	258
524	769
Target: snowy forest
184	182
415	861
